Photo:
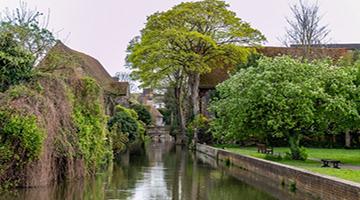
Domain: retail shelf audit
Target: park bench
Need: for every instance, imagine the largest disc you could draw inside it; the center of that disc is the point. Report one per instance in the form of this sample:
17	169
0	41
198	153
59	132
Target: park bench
326	163
262	148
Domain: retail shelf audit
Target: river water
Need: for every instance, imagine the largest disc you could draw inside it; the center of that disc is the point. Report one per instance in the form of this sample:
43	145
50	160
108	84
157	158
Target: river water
163	171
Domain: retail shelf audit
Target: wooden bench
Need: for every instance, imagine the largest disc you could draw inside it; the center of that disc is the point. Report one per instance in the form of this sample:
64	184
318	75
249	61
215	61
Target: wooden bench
326	163
262	148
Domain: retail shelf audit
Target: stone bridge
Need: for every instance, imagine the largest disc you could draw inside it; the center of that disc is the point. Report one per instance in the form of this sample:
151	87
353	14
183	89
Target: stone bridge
159	133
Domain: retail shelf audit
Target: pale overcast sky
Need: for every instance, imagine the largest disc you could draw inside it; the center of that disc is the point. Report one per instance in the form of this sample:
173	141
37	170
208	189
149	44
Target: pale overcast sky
103	28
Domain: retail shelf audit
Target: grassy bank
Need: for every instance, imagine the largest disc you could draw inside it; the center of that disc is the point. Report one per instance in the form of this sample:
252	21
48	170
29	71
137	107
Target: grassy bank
348	157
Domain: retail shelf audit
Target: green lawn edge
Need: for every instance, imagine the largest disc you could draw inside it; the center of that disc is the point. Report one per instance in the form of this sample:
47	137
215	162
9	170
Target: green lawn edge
346	156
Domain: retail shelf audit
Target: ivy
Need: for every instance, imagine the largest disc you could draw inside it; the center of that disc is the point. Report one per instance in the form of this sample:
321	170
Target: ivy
20	132
90	121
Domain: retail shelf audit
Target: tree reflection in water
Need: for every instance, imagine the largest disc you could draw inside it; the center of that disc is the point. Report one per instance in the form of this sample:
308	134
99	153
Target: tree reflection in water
163	171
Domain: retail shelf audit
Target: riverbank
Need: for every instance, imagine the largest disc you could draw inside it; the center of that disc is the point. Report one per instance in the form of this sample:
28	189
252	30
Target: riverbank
350	160
162	171
290	178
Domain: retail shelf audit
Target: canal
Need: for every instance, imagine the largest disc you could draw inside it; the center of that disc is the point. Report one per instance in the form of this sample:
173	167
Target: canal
163	171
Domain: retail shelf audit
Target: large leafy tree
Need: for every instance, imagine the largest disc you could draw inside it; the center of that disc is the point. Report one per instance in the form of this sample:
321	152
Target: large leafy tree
283	97
193	38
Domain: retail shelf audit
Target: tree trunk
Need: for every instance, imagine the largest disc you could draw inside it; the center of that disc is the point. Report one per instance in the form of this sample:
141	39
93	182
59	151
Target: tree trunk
194	81
294	142
347	139
181	138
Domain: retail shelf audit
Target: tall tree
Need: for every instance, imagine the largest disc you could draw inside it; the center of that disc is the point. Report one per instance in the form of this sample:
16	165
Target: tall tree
193	37
305	28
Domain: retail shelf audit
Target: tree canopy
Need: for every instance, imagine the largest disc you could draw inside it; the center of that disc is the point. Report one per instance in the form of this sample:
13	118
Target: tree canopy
190	39
283	97
194	36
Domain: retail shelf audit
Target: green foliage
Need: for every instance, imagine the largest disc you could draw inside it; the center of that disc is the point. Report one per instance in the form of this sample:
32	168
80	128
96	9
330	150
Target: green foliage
21	137
125	128
143	113
252	61
303	155
166	114
90	121
194	36
21	141
119	140
200	121
15	63
126	122
283	97
28	30
273	157
201	124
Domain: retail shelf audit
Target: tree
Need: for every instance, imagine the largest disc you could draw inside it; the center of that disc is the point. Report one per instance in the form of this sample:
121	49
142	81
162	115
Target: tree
283	97
305	27
29	28
192	38
16	63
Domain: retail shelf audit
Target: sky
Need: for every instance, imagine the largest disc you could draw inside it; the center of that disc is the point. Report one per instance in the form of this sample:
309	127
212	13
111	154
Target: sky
103	28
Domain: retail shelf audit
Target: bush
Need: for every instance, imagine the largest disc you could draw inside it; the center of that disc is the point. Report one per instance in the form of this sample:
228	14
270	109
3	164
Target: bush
301	154
143	114
21	133
126	129
125	121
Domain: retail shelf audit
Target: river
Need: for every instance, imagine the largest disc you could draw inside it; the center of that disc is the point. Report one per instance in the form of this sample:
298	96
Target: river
163	171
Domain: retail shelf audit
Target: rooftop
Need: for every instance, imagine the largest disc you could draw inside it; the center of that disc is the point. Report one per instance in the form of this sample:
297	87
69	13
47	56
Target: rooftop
86	64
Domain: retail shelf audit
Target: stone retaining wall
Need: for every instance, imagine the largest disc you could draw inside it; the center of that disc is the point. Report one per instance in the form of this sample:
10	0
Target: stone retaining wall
317	185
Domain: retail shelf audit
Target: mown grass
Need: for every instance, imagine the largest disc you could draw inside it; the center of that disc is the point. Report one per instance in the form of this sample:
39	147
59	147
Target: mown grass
350	157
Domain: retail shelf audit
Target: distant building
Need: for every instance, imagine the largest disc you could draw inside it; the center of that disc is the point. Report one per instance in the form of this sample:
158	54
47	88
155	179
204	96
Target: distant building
348	46
147	98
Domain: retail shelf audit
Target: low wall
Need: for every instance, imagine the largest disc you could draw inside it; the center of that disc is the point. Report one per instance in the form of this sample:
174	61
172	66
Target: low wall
317	185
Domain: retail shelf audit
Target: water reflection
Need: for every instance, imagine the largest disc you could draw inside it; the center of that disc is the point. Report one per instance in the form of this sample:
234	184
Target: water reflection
163	171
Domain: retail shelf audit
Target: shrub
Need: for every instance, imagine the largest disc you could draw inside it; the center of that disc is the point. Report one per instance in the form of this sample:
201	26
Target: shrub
143	114
125	128
302	154
21	133
126	122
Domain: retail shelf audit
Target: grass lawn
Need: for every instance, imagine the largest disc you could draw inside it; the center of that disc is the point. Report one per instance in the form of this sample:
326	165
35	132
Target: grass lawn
351	157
